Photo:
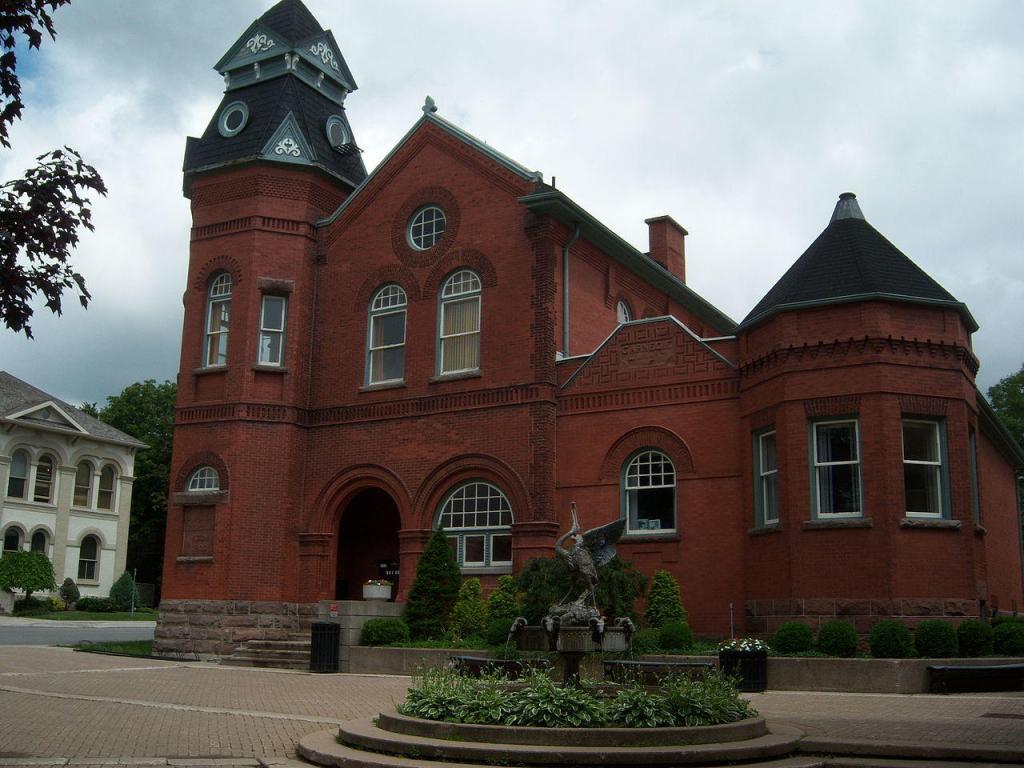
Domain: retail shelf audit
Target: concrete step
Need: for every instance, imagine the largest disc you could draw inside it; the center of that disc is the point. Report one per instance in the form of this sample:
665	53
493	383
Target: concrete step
259	662
278	645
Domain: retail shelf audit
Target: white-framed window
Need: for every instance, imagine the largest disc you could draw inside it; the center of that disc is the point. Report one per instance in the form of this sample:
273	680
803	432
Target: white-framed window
622	312
426	227
386	345
272	321
835	456
12	539
218	321
105	490
42	489
459	337
83	485
88	558
40	543
767	468
477	518
649	493
204	479
923	468
17	479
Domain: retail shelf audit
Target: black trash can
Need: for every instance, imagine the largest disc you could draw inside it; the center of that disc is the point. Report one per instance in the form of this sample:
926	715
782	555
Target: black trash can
323	653
750	667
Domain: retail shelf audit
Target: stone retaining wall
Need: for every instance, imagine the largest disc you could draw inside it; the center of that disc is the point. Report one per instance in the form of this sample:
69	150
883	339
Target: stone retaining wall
765	616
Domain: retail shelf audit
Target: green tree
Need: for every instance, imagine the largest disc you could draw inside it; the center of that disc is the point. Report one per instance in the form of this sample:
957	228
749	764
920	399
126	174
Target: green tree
1007	398
503	602
663	603
469	616
27	571
123	594
434	590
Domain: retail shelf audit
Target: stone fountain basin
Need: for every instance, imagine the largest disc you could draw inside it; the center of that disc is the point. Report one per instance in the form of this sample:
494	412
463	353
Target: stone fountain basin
572	640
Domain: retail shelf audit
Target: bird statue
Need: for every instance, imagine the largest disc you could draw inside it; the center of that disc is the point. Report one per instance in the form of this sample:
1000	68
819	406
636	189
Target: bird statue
588	552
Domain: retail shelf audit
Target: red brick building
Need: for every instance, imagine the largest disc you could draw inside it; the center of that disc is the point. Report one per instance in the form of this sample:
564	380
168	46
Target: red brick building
449	341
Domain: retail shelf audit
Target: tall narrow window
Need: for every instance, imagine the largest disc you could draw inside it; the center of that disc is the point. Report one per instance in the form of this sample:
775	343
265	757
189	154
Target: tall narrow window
972	447
478	520
272	319
387	336
218	320
650	493
767	479
88	554
17	481
836	457
922	468
39	542
460	323
105	493
622	312
83	485
43	490
12	540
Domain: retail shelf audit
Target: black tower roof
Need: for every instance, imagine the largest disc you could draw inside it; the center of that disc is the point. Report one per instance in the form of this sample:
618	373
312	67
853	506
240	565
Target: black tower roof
292	19
852	261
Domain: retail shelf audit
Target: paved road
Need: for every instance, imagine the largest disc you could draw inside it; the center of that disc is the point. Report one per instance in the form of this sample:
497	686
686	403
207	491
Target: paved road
14	631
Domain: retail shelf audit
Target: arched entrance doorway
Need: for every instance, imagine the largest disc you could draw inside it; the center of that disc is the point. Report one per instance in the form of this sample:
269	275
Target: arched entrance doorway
367	543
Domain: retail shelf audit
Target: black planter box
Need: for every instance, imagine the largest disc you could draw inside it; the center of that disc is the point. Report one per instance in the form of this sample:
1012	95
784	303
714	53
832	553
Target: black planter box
750	667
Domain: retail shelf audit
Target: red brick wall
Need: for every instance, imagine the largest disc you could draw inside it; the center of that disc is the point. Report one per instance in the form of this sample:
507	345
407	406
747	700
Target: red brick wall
1002	539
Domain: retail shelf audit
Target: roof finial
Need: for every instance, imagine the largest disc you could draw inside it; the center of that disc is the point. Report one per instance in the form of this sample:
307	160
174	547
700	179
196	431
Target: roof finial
429	106
847	208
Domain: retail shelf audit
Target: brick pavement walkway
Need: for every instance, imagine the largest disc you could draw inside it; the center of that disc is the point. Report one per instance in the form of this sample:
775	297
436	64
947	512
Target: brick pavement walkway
76	709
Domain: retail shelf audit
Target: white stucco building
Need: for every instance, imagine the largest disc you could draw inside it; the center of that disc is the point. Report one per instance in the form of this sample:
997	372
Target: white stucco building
67	486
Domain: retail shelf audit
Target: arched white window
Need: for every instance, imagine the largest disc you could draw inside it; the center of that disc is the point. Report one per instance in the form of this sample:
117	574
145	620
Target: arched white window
460	323
40	543
386	347
478	520
12	539
105	492
649	490
204	479
218	320
88	557
43	489
426	227
17	480
622	312
83	485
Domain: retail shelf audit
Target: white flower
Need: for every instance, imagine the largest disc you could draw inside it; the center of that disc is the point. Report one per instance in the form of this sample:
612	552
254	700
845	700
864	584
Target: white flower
743	644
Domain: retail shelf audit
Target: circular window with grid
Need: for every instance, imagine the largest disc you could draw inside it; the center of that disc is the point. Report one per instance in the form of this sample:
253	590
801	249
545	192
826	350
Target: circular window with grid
426	227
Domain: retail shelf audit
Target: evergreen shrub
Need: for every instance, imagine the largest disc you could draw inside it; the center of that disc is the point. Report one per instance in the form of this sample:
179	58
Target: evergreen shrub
676	635
503	602
1008	638
974	638
664	603
434	590
646	640
838	638
792	637
1003	618
618	589
384	632
69	591
890	639
31	606
96	605
497	630
123	593
469	616
543	581
935	640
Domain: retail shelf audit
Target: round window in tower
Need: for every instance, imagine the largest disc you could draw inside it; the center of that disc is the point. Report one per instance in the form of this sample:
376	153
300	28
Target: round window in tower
337	132
233	118
426	227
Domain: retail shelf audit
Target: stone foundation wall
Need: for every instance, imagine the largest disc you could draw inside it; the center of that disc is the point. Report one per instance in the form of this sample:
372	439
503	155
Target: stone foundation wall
765	616
208	629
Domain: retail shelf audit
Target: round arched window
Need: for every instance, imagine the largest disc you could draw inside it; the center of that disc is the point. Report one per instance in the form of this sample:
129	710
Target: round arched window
478	520
649	486
426	227
233	118
338	133
204	479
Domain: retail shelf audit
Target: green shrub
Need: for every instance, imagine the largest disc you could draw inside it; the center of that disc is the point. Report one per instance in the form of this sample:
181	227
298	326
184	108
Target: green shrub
31	606
711	699
543	703
57	604
543	581
792	637
384	632
434	590
646	640
1003	618
837	638
636	707
974	638
890	639
503	602
469	616
663	602
497	630
1008	638
69	591
436	694
28	571
123	594
676	635
935	640
618	589
96	605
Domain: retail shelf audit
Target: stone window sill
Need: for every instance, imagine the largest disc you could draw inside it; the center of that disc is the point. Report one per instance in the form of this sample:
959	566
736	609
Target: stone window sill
195	559
264	368
383	386
641	538
199	498
442	377
209	370
845	522
761	530
930	523
490	570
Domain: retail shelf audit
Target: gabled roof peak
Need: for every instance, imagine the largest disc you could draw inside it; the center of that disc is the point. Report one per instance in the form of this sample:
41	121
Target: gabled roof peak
292	19
847	208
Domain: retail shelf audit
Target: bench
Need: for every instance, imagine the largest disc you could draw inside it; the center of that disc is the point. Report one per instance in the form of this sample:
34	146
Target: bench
964	678
513	669
652	672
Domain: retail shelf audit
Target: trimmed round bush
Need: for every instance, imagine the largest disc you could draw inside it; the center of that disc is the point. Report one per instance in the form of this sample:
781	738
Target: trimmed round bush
1003	618
1008	638
96	605
974	638
890	639
837	638
936	640
69	591
384	632
675	635
497	631
646	640
792	637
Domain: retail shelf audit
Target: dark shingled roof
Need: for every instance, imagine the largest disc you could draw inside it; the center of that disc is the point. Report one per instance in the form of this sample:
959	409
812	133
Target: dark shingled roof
17	395
269	103
292	19
851	260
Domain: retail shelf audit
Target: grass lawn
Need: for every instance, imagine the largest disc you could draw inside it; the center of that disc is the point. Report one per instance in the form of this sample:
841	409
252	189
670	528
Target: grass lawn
93	616
132	648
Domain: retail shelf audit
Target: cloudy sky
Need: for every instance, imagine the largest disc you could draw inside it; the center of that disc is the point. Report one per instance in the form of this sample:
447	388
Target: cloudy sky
743	120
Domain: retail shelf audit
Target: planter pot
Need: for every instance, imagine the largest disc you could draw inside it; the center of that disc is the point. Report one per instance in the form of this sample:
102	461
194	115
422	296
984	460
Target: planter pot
376	592
751	667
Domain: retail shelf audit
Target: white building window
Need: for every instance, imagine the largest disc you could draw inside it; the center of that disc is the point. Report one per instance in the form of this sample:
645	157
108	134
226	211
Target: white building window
622	312
766	465
105	492
923	468
204	479
218	320
272	322
386	348
460	323
649	490
88	557
43	489
836	462
17	480
426	227
478	520
83	485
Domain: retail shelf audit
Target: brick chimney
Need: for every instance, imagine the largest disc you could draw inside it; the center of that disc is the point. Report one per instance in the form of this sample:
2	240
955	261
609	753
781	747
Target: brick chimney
667	244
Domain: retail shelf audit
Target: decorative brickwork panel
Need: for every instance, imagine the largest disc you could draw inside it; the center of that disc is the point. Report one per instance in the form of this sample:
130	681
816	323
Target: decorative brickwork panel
197	532
923	406
832	406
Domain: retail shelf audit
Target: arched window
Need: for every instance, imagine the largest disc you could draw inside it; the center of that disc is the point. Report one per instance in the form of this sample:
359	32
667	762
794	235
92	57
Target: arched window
622	311
649	487
204	479
12	539
88	556
460	323
105	494
218	320
478	520
39	543
43	490
83	485
17	481
387	336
